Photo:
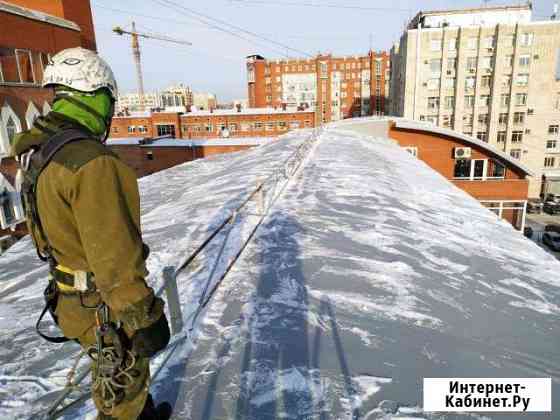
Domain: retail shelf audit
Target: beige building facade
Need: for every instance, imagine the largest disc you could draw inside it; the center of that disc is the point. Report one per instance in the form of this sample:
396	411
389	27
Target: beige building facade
490	73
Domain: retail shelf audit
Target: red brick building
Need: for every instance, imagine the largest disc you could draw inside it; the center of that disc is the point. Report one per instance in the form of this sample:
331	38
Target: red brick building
337	87
213	124
147	156
31	32
497	180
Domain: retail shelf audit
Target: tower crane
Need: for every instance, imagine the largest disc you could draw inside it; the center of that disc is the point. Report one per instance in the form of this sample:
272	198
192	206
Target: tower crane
135	35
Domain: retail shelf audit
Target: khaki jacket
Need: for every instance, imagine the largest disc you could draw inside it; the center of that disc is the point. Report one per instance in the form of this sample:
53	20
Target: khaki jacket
89	207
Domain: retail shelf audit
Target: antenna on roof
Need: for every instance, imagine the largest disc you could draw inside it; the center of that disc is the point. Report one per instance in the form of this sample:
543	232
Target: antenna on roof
554	12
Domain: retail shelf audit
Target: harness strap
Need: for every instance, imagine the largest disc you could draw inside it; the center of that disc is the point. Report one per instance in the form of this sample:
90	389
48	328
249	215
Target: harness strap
51	297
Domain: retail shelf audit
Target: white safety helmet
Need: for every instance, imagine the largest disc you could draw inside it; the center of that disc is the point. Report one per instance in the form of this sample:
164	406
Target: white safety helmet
80	69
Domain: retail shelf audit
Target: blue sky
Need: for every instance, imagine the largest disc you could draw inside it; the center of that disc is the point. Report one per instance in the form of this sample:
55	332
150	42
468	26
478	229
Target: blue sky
216	60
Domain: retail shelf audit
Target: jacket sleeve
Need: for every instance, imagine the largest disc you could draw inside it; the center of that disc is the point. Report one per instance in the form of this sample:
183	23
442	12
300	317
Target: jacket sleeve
106	206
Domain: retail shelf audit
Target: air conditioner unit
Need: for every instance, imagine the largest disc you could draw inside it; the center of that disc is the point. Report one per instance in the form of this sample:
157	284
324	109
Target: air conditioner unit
490	50
412	150
426	62
536	57
528	131
472	70
462	152
424	84
488	70
530	111
449	72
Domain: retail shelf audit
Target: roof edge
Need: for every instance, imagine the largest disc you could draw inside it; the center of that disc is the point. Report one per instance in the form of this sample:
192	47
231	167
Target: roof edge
38	16
414	125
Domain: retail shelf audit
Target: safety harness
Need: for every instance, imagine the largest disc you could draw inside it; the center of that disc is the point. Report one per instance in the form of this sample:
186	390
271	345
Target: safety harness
32	164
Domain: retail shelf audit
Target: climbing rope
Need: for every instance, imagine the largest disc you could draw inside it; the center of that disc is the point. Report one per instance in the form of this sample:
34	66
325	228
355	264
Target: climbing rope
279	177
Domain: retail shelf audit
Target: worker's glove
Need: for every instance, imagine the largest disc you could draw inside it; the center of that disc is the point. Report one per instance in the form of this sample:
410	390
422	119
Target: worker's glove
148	323
146	342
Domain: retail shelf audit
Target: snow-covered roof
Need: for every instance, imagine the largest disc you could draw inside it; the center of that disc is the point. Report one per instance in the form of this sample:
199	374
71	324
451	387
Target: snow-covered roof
369	273
246	111
37	15
172	142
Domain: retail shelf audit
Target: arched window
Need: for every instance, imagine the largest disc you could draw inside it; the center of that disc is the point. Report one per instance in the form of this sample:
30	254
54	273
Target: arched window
10	125
11	129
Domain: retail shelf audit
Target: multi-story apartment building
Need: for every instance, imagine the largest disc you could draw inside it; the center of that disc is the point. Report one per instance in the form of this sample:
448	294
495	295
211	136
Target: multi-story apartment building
490	73
335	87
204	101
130	102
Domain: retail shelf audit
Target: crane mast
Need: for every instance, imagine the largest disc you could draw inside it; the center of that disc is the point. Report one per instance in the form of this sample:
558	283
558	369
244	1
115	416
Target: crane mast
138	63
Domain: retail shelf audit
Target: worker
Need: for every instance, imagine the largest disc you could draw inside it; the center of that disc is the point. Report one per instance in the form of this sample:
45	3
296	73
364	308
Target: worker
83	213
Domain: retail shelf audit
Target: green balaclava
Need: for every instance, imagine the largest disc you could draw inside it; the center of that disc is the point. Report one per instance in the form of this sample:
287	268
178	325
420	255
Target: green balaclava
92	110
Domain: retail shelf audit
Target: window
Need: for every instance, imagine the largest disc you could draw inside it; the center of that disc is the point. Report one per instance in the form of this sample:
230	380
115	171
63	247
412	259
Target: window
131	128
502	135
433	102
449	102
526	39
481	135
115	130
472	43
549	162
451	63
503	119
515	153
471	63
449	82
551	144
519	118
517	136
495	169
469	101
435	45
489	42
486	81
483	119
208	127
258	126
553	129
453	44
462	168
233	127
142	129
11	129
521	99
557	102
487	63
524	60
470	82
435	66
504	100
447	121
150	155
433	84
16	66
468	120
324	69
506	81
508	61
166	129
484	100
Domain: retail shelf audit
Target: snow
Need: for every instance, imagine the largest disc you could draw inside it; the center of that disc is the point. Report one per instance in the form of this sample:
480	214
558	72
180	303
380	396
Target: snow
369	273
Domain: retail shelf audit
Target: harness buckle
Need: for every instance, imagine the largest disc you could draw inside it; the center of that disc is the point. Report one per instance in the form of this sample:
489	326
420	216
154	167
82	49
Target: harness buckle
81	281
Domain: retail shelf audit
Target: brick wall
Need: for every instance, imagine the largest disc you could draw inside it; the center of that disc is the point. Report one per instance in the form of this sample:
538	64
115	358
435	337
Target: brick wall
146	160
194	126
437	151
